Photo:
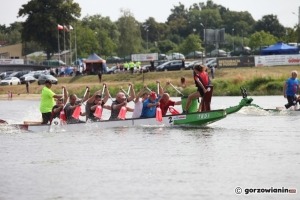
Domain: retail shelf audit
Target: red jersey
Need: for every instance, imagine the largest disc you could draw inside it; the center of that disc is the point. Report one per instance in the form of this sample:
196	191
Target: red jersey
203	77
164	106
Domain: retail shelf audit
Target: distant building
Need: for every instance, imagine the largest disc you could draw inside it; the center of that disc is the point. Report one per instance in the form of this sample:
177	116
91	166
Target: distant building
11	51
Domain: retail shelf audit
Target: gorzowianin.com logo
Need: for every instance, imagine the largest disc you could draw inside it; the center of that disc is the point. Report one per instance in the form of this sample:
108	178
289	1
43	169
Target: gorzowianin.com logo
271	190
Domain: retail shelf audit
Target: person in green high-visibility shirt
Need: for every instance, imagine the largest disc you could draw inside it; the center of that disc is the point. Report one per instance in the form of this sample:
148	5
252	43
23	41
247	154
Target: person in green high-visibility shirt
47	101
131	67
138	66
126	66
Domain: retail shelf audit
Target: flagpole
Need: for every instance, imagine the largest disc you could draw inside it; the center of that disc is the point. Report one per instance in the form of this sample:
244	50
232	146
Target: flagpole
70	51
75	46
58	44
65	45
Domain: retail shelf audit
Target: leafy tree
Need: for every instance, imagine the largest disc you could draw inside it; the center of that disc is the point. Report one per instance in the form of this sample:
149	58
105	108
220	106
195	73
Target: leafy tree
42	19
130	34
241	22
211	18
191	43
166	46
262	38
106	32
156	31
86	41
270	23
178	21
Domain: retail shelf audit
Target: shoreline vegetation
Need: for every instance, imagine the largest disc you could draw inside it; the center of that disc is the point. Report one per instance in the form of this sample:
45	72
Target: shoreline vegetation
227	82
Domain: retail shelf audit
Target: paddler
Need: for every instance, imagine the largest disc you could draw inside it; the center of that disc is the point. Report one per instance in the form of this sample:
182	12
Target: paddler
74	102
98	99
121	101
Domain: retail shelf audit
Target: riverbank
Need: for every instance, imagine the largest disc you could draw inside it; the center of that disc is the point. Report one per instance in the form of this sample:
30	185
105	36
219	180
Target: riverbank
227	82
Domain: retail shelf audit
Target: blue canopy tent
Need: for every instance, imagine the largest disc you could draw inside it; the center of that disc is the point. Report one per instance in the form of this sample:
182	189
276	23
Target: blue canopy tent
279	48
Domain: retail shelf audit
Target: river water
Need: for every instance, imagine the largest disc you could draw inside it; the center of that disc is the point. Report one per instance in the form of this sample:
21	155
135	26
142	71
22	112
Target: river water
252	149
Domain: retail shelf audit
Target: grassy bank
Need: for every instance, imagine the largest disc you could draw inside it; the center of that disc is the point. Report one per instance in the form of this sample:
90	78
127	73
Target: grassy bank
227	82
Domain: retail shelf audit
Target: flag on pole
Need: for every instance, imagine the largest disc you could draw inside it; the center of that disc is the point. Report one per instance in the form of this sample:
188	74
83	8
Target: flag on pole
60	27
66	28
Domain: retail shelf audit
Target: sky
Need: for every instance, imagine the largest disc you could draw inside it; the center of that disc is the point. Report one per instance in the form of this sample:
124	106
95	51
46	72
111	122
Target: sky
161	9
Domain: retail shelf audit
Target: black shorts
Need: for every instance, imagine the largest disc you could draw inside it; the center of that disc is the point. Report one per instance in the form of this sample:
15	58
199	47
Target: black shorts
200	90
46	117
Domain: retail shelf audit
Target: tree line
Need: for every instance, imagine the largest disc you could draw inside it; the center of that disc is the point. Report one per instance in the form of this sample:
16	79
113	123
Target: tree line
182	32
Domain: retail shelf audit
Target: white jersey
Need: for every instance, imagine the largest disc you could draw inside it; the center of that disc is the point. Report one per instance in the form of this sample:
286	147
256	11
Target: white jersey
138	107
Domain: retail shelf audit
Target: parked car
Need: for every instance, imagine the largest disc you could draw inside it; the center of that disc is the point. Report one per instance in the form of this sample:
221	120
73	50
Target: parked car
112	70
194	54
3	75
43	78
243	51
27	77
211	63
10	81
218	53
170	65
189	65
18	74
113	59
175	56
162	56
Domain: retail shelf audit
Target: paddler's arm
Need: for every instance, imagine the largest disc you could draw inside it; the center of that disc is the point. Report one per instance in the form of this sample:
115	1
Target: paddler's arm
57	96
57	110
92	98
129	109
107	95
149	105
131	93
160	90
284	90
137	97
108	107
116	107
200	84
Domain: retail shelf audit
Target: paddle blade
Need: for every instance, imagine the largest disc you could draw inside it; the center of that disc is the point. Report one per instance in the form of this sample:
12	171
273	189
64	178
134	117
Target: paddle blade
76	112
173	111
158	114
62	116
122	113
98	112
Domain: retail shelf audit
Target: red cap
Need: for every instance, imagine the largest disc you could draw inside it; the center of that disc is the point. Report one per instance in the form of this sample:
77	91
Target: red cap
152	95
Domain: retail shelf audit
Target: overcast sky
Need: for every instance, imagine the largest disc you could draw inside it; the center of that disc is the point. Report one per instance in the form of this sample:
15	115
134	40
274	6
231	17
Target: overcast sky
160	9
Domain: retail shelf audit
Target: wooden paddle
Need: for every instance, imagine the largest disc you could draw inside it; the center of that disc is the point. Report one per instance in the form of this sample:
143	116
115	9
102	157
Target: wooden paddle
176	89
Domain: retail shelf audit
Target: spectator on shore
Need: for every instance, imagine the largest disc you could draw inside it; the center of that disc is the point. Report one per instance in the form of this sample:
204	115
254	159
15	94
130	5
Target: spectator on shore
290	90
27	86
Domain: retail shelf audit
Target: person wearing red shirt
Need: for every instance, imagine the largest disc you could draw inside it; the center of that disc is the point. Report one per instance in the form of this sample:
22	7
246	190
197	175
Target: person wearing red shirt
166	102
202	81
